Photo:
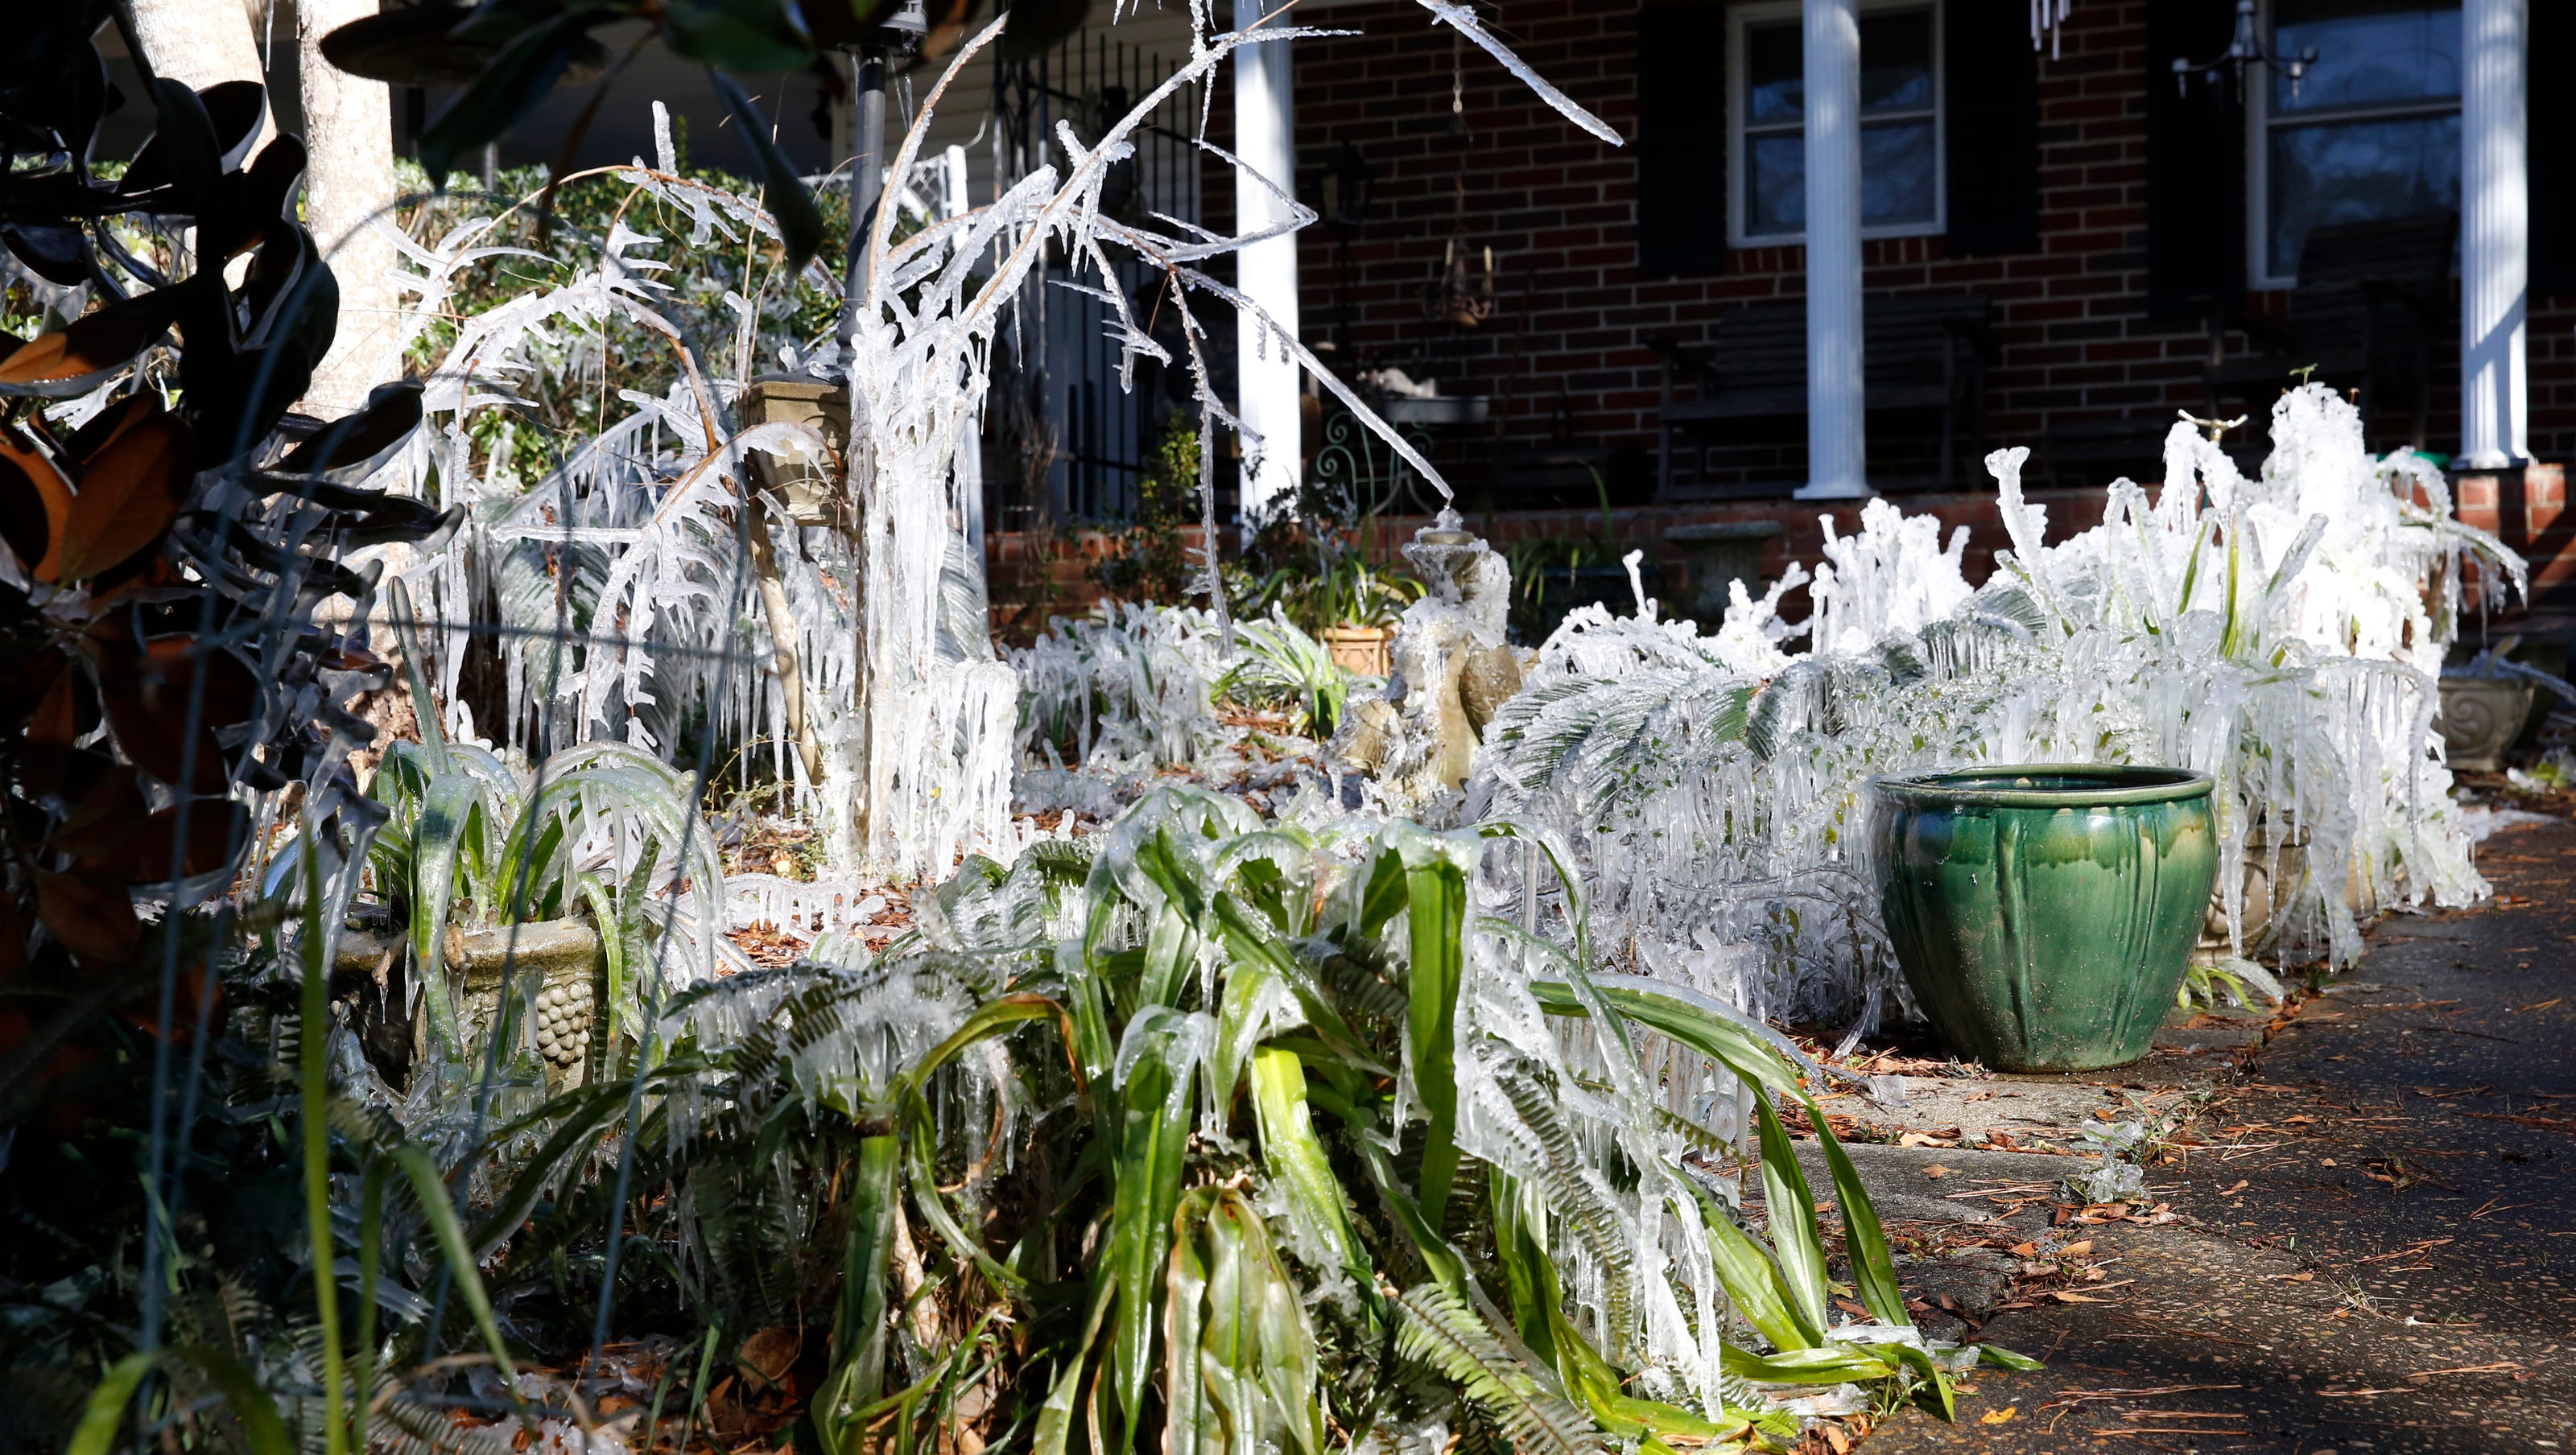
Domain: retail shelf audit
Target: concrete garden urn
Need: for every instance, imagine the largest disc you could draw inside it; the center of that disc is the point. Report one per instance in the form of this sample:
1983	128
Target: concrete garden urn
2044	914
2480	718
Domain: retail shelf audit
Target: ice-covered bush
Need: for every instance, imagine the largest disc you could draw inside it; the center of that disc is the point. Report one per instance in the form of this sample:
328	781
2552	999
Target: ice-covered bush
2281	633
1130	684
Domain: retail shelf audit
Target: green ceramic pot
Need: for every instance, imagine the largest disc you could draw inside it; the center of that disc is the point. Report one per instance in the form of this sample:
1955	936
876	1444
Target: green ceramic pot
2044	913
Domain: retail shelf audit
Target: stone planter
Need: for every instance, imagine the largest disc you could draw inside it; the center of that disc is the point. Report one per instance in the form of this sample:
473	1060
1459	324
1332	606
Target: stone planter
2044	915
1714	557
2273	878
1364	650
557	973
2480	718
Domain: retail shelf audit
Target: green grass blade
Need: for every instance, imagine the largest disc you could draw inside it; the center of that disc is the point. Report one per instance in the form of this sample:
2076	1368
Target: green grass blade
313	1057
371	1241
1436	920
104	1415
251	1403
1717	1031
859	1333
1294	1157
1160	1059
441	1214
1752	1279
1832	1364
446	815
1792	1208
1873	1270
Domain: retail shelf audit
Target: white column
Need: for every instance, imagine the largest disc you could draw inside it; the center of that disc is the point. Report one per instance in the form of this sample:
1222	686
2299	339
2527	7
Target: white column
1265	138
2495	232
1837	463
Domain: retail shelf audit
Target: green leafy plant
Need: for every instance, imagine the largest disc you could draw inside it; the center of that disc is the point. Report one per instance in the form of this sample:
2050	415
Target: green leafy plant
1277	663
1148	560
466	840
1200	1110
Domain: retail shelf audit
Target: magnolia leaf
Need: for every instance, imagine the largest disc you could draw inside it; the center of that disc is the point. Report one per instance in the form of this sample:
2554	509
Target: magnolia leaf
130	491
363	440
508	89
742	35
184	154
55	252
92	916
146	695
35	502
800	226
78	357
246	202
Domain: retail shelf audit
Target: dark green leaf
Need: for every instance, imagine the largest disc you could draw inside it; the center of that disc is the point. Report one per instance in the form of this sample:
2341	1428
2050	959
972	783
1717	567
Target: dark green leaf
509	88
800	226
754	36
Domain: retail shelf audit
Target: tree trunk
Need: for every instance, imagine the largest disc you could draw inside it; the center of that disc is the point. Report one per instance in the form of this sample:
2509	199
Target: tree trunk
198	43
349	182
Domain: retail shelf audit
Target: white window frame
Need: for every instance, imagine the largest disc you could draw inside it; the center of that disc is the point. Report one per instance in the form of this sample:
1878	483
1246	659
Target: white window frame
1738	18
2258	155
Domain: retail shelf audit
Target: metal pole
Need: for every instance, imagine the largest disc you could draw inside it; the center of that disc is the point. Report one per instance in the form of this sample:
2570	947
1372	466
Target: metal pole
867	179
1837	444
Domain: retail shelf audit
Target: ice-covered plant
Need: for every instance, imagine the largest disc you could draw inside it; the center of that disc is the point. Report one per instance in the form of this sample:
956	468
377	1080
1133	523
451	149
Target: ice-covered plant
1128	684
1237	1127
1278	664
597	831
2279	634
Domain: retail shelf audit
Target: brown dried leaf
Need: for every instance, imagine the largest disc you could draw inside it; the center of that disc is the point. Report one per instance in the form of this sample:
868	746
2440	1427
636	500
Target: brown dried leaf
92	916
35	500
73	359
130	491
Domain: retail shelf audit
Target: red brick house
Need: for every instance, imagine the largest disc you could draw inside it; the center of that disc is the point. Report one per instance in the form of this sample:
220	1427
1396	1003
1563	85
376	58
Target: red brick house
2057	244
2122	227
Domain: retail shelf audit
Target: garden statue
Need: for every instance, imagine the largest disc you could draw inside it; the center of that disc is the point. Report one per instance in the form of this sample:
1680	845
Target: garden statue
1452	670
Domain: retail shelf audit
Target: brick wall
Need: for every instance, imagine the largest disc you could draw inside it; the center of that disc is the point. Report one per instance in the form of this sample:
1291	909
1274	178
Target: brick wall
1566	356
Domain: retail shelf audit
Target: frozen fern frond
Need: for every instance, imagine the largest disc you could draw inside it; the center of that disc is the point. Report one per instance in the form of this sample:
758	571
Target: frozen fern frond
1438	1329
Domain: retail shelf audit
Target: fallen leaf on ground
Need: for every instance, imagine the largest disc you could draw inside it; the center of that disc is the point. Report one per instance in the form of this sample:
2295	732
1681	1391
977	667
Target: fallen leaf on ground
1936	1171
1998	1417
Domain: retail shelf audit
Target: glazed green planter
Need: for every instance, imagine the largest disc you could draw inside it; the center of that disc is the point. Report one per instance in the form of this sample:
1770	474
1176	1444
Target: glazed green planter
2044	913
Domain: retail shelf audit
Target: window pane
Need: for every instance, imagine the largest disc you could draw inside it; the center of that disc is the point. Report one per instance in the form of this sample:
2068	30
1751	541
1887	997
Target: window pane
1896	62
1896	173
1775	183
2355	172
1775	81
2368	54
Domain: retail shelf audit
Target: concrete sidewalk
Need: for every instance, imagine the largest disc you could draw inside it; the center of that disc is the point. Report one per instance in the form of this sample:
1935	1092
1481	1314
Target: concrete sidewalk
2355	1237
